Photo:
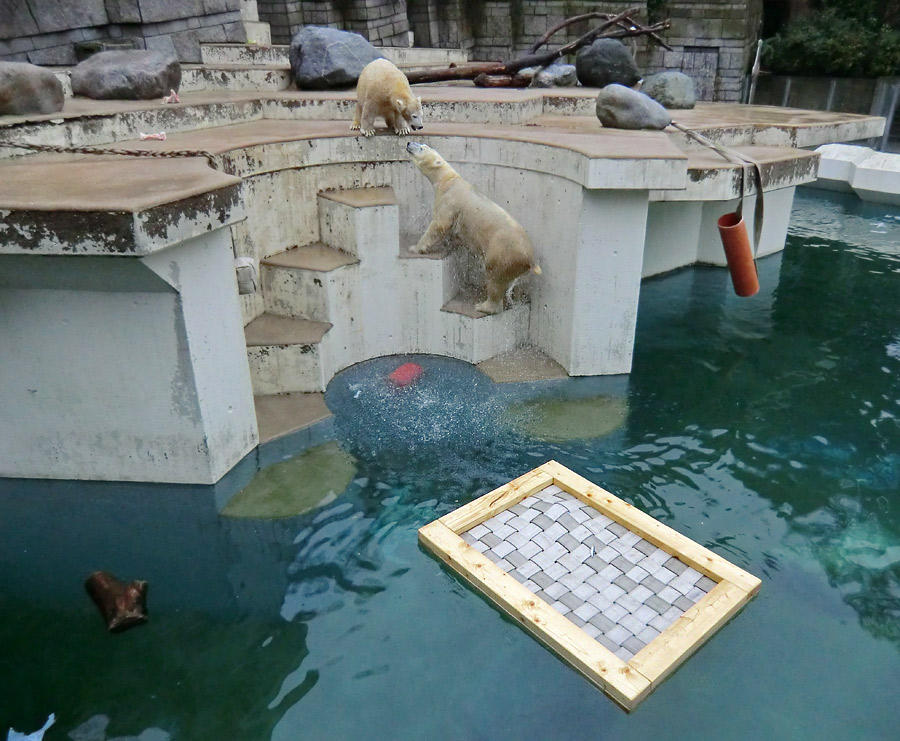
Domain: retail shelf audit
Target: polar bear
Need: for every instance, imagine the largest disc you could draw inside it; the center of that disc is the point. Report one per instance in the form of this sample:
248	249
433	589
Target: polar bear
480	224
383	90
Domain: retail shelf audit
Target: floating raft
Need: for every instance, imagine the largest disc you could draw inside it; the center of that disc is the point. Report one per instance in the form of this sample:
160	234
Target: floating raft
618	595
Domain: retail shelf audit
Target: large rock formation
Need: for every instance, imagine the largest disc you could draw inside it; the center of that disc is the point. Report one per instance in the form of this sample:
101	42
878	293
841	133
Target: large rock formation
27	88
325	58
126	75
620	107
674	90
555	75
606	62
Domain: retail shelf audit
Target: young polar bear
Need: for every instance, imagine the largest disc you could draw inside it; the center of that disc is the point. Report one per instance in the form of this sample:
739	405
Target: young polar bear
481	225
383	90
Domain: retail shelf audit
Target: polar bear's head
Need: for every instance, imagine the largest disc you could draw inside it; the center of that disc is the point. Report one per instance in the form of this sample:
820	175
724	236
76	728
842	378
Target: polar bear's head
411	110
425	158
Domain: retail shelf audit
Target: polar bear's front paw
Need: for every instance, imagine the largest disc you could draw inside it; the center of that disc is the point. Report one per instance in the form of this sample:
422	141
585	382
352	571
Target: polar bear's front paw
418	249
403	131
354	127
368	132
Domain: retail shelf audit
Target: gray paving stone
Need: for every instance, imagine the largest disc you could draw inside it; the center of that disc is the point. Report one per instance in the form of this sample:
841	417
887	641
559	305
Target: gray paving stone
632	623
634	644
518	577
560	608
568	522
622	564
664	575
529	568
657	604
647	635
653	584
555	590
542	521
618	634
616	612
575	619
603	623
641	593
542	580
591	630
637	574
570	600
626	583
608	644
646	547
617	529
683	603
568	542
490	540
705	583
676	566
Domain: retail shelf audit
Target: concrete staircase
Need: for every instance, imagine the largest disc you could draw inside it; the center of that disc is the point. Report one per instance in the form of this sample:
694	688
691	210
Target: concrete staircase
355	295
266	68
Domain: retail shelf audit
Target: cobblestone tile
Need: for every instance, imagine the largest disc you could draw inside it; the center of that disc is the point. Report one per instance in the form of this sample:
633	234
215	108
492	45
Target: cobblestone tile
622	590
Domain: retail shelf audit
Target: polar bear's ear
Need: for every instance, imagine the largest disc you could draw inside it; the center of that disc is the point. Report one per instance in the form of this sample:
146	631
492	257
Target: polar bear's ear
401	104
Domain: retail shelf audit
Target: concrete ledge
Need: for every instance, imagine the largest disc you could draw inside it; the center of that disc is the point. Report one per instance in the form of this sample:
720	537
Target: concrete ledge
873	176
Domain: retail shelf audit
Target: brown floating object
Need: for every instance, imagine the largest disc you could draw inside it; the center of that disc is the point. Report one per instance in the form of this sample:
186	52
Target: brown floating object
123	605
738	254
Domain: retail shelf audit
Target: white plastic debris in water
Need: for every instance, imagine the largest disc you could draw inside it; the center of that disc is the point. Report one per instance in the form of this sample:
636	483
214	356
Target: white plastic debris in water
247	275
38	735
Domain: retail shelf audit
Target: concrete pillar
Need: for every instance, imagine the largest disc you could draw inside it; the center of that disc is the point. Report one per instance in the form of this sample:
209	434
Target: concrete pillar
124	369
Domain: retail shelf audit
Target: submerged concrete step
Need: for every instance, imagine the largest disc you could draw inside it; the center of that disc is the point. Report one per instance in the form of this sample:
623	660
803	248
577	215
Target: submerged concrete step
285	354
282	414
299	282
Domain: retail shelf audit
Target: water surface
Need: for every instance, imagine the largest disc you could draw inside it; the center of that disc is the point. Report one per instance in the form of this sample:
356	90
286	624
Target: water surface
764	428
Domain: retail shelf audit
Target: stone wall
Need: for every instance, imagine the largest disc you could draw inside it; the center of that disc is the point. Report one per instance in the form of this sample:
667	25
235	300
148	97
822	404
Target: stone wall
713	42
46	31
382	22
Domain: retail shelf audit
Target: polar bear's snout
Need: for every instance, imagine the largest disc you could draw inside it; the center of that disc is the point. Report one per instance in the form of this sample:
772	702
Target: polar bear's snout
414	147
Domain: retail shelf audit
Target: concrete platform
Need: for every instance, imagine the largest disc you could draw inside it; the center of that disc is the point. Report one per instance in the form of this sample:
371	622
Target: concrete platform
601	207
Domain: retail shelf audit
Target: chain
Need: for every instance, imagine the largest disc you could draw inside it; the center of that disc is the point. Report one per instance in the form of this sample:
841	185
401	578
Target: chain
172	154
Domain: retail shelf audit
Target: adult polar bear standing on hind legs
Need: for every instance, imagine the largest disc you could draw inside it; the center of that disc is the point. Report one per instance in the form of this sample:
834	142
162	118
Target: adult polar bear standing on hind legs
481	225
383	90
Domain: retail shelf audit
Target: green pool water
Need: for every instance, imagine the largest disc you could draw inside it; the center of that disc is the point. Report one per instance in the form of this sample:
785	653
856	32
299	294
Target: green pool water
764	428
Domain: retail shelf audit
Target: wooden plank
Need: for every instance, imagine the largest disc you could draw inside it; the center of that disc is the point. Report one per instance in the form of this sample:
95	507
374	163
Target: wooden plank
669	649
618	679
702	559
501	498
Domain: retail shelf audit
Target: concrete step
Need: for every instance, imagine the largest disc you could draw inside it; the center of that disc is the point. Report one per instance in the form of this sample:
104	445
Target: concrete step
235	77
285	354
263	54
486	334
348	218
301	282
283	414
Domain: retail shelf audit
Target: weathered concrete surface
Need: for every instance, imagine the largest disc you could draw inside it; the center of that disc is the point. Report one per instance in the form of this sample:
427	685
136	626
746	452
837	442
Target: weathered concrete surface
139	376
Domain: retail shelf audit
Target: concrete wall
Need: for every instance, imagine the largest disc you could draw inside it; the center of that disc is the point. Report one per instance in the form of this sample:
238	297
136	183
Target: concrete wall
124	369
46	31
382	22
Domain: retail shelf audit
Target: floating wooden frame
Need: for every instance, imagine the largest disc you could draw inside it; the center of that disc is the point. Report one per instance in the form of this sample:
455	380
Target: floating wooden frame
627	682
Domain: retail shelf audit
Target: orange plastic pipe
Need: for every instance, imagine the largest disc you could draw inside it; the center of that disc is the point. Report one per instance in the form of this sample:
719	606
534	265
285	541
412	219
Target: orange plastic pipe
738	254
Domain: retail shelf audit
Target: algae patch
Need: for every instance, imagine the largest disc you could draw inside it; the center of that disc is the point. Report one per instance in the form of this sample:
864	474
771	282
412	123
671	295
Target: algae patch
558	420
312	479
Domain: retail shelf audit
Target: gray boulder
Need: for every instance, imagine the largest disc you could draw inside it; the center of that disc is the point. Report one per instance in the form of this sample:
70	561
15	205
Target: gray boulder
325	58
26	88
606	62
126	75
555	75
619	107
674	90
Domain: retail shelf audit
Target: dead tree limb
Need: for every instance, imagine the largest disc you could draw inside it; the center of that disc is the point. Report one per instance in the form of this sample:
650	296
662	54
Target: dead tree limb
491	71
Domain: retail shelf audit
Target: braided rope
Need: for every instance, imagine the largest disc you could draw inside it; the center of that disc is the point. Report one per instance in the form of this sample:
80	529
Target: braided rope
171	154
